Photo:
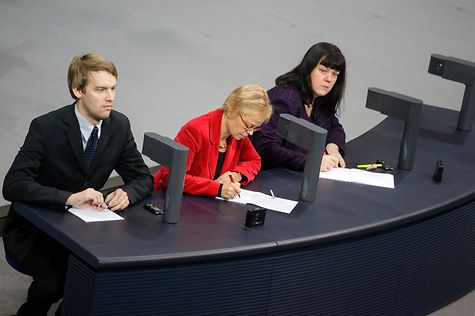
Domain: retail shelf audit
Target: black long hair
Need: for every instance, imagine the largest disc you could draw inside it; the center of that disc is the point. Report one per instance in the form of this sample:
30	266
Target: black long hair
329	56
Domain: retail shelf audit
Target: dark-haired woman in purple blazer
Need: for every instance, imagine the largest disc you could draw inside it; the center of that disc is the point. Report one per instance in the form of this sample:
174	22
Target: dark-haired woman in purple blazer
312	91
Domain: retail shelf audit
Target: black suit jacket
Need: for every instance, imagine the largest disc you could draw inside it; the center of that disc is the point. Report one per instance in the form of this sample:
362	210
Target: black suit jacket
50	167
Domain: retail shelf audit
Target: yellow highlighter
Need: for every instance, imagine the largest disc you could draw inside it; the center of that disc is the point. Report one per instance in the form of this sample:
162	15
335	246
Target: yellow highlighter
369	166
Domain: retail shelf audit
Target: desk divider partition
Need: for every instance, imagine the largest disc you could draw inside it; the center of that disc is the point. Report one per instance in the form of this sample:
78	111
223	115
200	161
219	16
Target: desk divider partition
404	108
462	71
173	155
312	138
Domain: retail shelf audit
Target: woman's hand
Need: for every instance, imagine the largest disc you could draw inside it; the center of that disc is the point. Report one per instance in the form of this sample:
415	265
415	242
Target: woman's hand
230	190
328	162
224	178
333	150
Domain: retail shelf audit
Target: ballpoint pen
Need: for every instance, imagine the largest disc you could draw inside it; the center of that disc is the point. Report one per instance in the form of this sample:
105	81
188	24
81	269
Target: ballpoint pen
232	180
272	193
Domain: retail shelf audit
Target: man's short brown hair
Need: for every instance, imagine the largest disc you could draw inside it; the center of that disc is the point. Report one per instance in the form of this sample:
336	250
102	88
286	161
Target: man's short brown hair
81	66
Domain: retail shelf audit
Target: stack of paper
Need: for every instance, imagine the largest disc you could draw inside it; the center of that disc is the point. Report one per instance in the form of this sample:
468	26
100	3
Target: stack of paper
266	201
95	215
385	180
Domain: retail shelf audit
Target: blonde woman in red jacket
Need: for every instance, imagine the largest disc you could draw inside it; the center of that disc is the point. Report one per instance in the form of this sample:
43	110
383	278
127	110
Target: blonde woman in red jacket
221	156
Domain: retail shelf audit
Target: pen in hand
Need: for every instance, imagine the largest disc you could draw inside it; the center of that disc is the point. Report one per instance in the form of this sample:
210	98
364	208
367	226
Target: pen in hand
232	180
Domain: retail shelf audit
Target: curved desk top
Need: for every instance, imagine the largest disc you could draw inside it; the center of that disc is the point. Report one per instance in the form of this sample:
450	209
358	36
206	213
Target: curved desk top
211	229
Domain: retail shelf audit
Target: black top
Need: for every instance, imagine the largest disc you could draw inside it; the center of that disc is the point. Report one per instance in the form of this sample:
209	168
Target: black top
219	165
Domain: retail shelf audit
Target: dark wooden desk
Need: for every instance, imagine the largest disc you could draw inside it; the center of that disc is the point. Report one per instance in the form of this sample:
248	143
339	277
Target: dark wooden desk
358	250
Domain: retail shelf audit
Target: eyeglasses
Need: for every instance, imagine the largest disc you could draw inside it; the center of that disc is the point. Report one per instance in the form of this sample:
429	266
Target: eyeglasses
249	127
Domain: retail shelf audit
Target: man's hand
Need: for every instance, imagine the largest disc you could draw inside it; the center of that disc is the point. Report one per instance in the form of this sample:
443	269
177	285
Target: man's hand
87	198
117	200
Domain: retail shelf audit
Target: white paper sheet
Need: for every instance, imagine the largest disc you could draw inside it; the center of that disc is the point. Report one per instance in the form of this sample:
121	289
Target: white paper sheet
385	180
93	215
263	200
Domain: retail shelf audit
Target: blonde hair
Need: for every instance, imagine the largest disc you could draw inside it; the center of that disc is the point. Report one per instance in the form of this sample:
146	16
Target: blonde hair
81	66
248	99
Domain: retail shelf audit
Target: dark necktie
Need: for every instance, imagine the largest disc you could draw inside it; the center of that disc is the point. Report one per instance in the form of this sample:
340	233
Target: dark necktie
90	148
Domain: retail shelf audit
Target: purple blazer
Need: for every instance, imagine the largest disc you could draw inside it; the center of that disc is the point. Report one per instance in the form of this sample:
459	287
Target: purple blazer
277	152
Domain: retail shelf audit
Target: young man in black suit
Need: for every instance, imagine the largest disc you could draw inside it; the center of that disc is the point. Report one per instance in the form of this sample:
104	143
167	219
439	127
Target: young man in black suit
67	157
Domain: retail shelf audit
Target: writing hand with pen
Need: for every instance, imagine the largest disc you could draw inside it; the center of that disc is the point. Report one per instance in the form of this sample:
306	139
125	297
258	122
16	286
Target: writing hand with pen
332	158
231	184
115	201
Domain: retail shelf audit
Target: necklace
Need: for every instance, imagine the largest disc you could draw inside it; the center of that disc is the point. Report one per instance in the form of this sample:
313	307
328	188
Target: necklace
223	146
309	109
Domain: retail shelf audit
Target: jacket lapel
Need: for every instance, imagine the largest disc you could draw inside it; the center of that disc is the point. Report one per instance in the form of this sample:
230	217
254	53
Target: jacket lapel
214	137
74	136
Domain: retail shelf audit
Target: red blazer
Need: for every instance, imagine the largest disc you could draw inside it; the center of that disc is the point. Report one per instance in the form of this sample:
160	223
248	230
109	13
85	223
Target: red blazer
201	136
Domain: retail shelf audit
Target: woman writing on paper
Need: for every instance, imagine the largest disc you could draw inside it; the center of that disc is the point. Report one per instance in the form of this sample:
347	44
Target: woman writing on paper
312	91
221	156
